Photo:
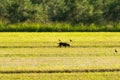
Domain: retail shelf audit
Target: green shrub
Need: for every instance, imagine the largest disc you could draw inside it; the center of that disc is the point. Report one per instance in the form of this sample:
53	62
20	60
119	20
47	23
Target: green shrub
57	27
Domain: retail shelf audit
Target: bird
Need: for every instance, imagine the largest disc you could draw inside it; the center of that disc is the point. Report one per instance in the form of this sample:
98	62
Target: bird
116	51
59	39
70	40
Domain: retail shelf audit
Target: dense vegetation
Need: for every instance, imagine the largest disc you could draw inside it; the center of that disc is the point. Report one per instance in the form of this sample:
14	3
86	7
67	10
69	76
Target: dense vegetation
102	15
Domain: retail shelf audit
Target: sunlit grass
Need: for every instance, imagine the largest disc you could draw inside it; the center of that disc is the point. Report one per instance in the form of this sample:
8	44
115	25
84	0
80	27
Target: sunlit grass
51	39
63	76
59	52
58	63
26	52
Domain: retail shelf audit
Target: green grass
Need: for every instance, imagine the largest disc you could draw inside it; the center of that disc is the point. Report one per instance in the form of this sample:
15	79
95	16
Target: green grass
58	52
51	39
58	27
36	52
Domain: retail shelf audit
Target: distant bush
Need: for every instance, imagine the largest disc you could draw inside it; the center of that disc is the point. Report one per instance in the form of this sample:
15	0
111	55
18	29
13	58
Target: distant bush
57	27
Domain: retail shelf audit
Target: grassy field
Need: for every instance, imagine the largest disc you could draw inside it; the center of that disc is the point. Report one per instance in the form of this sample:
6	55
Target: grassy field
36	56
62	76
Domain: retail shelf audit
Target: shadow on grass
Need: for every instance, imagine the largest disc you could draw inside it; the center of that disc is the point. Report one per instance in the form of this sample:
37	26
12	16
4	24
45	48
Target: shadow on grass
59	71
58	47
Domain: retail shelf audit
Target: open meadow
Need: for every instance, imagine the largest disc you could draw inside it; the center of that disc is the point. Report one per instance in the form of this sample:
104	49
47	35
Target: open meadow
36	56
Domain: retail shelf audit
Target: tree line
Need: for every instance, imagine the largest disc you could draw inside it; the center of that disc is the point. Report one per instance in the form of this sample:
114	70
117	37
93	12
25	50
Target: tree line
87	12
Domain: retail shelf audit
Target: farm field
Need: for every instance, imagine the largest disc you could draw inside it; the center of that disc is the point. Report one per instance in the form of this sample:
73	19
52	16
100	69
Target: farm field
37	55
62	76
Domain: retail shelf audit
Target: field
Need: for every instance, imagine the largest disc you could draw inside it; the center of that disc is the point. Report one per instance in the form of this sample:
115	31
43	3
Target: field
36	56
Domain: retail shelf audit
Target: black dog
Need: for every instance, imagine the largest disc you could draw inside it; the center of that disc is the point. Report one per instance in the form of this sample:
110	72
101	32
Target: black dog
63	44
